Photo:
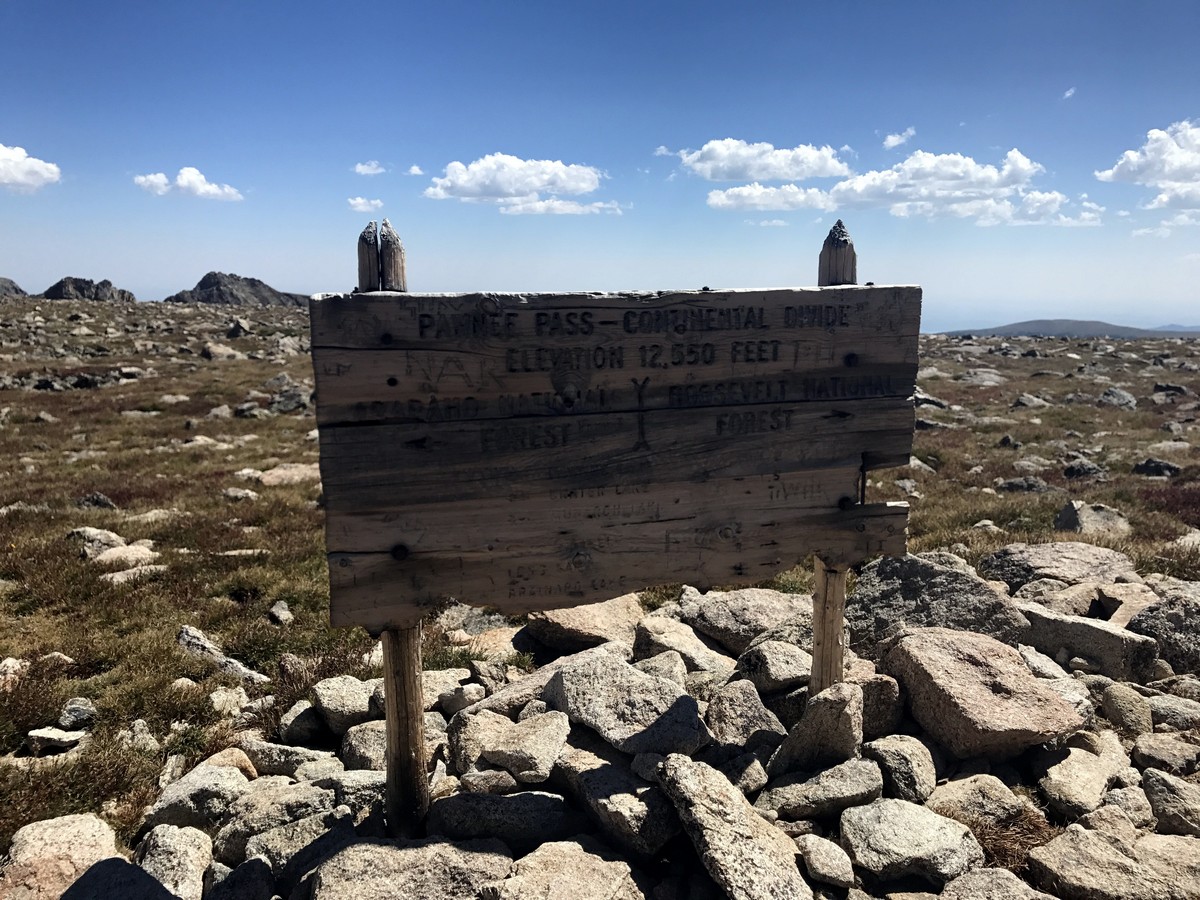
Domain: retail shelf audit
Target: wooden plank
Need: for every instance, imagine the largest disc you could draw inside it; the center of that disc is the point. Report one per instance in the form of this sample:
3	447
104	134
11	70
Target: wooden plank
838	263
365	467
379	590
407	787
451	322
560	516
392	274
829	636
368	258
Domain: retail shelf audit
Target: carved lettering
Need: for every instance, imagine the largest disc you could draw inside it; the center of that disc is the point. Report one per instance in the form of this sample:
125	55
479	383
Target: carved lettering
762	421
681	321
508	437
817	315
563	359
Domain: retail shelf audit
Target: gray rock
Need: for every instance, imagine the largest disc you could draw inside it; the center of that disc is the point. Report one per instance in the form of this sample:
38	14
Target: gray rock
799	796
990	884
280	614
735	618
976	798
1068	561
360	789
460	697
825	861
434	684
749	858
489	781
528	748
1134	803
78	713
906	764
526	819
830	731
199	799
883	704
1088	865
111	878
431	869
1077	783
587	626
1175	625
1178	754
633	711
261	810
278	759
745	772
195	642
296	848
740	724
343	701
894	838
1174	713
775	666
668	664
137	737
178	858
975	695
1114	396
40	740
1126	709
631	813
1091	519
302	724
45	857
365	746
917	592
579	869
655	634
1175	802
1116	652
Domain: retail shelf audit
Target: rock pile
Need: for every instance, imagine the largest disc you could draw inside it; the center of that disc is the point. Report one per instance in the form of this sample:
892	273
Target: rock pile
71	288
1041	713
235	290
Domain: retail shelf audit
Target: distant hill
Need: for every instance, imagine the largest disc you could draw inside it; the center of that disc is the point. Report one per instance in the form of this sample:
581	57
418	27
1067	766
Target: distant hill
234	290
9	288
1178	328
72	288
1075	328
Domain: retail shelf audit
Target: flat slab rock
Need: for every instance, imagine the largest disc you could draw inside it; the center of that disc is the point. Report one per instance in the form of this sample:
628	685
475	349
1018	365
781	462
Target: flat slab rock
1089	865
633	711
579	869
748	857
975	695
431	869
734	618
925	593
1071	562
588	625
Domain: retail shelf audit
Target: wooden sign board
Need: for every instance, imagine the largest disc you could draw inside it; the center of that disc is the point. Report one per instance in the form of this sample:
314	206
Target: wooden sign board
535	451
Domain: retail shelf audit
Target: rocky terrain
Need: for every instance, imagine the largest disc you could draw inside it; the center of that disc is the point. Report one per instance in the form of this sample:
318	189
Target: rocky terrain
1020	716
235	290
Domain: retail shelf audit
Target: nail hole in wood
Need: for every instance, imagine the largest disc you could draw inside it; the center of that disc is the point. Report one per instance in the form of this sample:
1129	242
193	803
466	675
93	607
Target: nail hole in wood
400	553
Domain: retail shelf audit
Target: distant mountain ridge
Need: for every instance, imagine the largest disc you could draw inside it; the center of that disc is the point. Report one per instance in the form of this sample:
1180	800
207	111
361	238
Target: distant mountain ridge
1075	328
235	290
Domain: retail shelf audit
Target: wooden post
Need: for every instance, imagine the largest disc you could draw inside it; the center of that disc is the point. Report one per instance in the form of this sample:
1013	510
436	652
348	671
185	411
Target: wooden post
407	791
368	259
838	263
829	636
391	260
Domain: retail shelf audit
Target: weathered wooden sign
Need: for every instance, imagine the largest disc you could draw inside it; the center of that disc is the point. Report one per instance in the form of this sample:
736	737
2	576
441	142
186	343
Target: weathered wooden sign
533	451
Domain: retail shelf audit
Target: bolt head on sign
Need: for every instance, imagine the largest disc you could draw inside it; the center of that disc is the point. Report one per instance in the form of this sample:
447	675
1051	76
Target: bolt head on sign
535	451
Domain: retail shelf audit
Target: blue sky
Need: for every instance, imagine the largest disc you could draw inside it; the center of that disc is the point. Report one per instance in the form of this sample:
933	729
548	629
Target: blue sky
1018	160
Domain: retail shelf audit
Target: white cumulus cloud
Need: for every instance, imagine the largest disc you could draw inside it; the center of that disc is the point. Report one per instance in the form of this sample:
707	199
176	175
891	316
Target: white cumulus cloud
517	185
189	180
157	183
926	185
370	167
499	176
1168	162
895	140
362	204
22	172
730	159
415	170
1068	93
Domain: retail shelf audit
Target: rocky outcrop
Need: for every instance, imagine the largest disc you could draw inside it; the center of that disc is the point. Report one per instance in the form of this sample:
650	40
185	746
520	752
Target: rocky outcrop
9	288
71	288
235	290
